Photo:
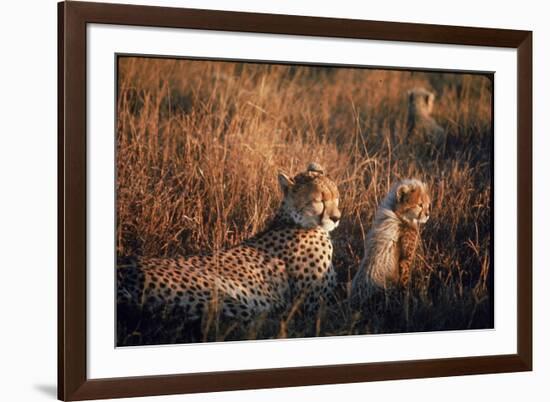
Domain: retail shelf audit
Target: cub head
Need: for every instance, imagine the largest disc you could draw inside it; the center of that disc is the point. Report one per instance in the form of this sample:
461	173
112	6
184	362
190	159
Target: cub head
412	201
311	199
421	101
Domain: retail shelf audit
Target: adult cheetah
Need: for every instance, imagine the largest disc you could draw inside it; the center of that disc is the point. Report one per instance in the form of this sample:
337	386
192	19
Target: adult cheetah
290	259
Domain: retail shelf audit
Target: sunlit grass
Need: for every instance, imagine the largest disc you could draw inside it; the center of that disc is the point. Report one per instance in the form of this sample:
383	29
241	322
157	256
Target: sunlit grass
199	145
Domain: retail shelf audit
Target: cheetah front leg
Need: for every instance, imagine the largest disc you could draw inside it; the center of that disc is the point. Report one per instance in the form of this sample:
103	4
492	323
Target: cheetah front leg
407	250
405	275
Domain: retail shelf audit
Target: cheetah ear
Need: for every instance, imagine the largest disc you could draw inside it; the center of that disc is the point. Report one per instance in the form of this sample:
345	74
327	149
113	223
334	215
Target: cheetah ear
429	98
285	182
402	191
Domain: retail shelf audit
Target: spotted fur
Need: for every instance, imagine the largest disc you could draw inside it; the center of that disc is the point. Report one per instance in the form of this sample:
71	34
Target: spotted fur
291	259
408	243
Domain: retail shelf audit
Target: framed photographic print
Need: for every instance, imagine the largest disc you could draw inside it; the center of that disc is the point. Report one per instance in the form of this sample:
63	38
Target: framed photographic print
253	200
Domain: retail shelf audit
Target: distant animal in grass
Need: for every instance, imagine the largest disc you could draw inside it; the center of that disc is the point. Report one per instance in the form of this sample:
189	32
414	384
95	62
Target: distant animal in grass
392	242
292	258
420	123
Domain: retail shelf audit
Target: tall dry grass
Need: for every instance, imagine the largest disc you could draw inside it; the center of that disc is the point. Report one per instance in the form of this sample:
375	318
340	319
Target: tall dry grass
199	145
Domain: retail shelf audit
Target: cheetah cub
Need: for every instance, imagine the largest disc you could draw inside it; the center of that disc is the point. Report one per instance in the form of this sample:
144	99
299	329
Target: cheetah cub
292	257
392	241
420	123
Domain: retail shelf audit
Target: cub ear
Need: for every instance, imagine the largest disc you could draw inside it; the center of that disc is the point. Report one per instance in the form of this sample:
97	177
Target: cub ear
430	98
402	191
285	182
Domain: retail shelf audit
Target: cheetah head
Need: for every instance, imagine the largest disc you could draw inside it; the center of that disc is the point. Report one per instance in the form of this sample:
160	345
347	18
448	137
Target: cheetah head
311	199
412	201
421	101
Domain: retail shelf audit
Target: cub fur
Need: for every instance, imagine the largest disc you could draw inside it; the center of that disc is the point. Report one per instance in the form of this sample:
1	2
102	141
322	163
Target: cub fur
391	243
420	123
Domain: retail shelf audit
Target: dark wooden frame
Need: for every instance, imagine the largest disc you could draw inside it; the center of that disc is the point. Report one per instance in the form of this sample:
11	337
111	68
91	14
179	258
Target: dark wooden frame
73	383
